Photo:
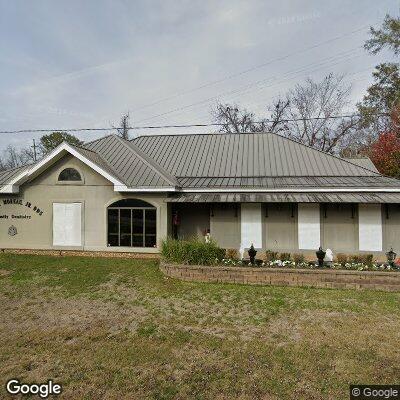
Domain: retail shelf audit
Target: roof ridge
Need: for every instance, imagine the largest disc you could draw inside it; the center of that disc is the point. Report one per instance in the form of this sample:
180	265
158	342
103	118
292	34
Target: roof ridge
285	176
96	140
149	161
114	172
265	133
324	152
83	148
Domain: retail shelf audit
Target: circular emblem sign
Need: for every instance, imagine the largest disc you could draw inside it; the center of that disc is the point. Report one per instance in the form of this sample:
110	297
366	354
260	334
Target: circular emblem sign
12	230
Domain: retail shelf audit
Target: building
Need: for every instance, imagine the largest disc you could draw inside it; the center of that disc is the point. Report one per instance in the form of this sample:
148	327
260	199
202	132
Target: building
119	195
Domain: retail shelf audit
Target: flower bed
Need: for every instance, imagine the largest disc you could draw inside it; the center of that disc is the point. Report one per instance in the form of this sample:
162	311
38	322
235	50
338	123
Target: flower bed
350	266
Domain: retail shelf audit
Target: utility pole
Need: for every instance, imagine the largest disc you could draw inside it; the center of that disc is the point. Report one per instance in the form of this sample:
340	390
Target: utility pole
34	150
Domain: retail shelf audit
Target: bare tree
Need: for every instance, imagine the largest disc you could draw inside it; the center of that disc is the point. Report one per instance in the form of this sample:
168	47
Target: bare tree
235	120
311	116
14	158
307	113
123	129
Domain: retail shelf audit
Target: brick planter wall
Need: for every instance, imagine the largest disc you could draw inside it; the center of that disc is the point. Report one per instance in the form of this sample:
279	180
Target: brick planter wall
387	281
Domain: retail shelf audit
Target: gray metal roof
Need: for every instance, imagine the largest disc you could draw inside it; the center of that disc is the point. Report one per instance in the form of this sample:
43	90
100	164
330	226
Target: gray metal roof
377	198
243	155
290	182
134	168
364	162
8	175
216	161
98	160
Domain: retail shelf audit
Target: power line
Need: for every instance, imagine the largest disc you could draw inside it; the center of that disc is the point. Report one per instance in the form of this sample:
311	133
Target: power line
345	55
243	72
180	126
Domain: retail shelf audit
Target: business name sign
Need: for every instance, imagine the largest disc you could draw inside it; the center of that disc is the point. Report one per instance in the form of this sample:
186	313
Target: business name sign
22	203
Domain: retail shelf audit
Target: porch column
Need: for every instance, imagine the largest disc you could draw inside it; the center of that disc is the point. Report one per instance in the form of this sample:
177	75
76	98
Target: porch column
309	226
251	225
370	227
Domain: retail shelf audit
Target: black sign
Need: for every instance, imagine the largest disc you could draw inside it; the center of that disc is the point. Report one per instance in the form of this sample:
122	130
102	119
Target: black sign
23	203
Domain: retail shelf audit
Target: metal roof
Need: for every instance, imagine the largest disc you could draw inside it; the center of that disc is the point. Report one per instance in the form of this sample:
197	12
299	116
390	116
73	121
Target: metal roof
243	155
8	175
224	161
127	162
379	198
289	182
364	162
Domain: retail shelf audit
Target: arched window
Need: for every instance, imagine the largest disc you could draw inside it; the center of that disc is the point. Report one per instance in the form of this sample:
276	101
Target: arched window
69	175
131	223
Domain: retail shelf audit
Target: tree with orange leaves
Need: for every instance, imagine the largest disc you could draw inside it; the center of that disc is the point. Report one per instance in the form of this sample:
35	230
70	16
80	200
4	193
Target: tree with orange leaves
385	154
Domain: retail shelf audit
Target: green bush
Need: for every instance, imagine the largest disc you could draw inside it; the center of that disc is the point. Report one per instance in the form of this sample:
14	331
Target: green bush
342	258
285	257
368	259
271	255
299	258
356	259
191	252
232	254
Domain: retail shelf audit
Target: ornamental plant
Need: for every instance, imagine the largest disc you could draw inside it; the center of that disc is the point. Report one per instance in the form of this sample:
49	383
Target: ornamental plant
193	252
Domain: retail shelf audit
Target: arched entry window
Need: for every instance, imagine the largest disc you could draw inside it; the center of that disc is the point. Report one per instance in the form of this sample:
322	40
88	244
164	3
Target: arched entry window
131	223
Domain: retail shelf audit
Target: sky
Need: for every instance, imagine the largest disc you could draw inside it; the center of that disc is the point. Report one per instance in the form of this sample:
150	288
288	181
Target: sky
82	64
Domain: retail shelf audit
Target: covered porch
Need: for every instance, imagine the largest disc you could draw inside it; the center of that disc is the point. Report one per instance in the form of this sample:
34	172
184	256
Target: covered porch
290	222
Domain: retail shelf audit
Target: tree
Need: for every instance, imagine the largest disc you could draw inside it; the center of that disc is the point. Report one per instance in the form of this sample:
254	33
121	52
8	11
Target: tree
382	101
123	129
304	114
236	120
51	141
14	158
385	154
310	117
388	36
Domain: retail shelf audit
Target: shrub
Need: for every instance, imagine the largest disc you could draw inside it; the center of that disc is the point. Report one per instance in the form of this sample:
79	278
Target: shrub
368	259
192	252
285	257
271	255
298	258
342	258
356	259
232	254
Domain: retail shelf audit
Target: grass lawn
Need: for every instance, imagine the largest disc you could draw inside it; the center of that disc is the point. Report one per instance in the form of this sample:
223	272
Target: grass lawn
119	329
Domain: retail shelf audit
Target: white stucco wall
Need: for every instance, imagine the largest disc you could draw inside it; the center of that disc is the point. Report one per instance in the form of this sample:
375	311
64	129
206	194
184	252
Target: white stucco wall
251	225
370	227
309	227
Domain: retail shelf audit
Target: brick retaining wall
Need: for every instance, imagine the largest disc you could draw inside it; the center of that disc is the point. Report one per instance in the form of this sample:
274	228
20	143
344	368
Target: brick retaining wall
340	279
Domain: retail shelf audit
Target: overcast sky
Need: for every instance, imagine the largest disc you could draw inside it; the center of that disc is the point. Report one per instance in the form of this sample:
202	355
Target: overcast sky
81	63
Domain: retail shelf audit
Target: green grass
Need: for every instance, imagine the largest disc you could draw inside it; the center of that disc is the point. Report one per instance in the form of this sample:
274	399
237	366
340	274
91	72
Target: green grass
115	328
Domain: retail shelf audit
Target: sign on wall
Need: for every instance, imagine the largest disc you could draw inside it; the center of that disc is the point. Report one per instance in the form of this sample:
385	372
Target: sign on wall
21	205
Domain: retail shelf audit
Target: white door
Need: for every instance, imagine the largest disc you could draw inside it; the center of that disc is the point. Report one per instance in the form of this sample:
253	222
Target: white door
67	224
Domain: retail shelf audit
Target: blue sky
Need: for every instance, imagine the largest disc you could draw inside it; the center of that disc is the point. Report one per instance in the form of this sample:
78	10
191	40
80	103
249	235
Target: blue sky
83	63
